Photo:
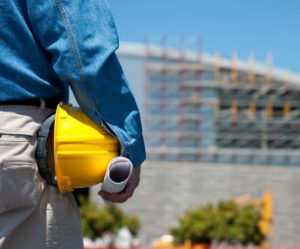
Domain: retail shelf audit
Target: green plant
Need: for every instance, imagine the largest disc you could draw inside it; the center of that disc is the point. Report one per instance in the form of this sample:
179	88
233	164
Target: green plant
107	219
224	222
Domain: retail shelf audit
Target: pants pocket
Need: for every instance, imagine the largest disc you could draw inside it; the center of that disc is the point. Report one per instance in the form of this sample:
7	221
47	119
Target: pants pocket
20	186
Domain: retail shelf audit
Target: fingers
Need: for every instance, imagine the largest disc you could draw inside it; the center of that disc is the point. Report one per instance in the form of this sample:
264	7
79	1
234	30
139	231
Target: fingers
123	196
119	197
127	192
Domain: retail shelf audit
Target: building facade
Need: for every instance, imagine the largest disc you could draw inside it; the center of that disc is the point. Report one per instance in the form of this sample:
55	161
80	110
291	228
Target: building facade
205	108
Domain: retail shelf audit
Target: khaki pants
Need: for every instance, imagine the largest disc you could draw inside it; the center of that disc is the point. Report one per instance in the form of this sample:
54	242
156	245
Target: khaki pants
33	215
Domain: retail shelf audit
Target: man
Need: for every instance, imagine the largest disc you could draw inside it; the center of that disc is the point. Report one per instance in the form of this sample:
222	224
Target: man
46	47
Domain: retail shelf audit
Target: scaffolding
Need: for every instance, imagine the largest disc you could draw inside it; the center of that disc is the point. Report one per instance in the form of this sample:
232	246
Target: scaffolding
198	110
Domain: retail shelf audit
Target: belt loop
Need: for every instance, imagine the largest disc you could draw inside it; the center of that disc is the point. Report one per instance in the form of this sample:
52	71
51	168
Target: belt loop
43	104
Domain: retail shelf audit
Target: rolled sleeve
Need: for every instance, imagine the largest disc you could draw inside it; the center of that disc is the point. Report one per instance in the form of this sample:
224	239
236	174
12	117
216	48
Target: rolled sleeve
80	39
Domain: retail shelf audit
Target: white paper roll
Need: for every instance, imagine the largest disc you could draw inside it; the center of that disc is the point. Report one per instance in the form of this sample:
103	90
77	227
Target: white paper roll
117	174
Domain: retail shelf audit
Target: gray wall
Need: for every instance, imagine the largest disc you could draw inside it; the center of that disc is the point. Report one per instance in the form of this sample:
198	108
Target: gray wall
167	190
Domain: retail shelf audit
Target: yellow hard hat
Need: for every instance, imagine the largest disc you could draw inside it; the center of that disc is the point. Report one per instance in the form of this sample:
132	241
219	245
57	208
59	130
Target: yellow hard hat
82	150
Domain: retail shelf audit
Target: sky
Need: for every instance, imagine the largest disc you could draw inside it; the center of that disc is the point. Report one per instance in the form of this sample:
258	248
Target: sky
242	27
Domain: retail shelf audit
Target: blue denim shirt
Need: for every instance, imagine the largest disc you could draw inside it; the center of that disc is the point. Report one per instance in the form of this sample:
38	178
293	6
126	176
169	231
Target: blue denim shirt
47	46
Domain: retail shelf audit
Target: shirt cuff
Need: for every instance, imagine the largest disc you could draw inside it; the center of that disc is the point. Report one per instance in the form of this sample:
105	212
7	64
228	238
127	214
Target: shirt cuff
135	151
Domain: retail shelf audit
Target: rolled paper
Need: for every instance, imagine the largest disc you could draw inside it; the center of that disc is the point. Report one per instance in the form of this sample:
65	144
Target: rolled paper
117	175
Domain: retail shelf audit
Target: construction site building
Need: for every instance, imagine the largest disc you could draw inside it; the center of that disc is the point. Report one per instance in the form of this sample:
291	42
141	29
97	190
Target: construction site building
206	108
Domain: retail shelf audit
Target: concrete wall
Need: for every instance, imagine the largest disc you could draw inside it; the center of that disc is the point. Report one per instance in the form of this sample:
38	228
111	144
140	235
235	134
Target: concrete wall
167	190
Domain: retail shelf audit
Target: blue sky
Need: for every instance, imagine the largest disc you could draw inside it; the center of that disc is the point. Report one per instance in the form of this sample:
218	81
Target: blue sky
226	26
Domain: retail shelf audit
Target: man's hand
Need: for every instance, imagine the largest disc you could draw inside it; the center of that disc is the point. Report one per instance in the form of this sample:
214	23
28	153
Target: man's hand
123	196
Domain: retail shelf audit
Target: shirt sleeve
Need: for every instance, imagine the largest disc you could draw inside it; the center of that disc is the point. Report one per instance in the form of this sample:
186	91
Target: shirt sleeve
80	39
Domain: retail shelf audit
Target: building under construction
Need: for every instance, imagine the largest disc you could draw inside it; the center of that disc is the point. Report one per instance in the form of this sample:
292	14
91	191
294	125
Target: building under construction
206	108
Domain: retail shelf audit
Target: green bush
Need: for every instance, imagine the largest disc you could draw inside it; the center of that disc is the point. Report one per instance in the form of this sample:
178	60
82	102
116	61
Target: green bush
224	222
107	219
